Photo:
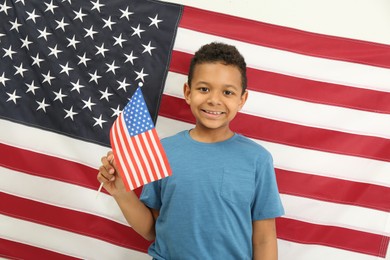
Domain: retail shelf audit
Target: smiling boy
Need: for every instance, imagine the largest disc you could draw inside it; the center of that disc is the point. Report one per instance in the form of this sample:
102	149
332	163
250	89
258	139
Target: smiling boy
222	199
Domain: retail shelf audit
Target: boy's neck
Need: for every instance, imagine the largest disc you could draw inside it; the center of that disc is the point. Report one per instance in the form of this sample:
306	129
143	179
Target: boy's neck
210	135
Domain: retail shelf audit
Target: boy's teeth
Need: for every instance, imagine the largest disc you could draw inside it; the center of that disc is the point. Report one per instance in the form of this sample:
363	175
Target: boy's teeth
214	113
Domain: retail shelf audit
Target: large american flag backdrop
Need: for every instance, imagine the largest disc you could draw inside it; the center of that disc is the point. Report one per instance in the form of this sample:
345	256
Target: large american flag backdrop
319	103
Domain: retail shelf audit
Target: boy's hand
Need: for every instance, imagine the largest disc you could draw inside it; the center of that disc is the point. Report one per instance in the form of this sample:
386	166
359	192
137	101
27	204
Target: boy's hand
109	176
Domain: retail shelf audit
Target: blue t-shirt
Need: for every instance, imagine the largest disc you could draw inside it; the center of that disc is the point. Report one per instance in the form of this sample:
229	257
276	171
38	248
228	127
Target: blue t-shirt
214	194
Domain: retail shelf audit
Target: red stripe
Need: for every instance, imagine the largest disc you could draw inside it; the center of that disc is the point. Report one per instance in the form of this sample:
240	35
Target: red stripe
14	250
325	188
285	38
302	89
73	221
338	237
136	150
290	134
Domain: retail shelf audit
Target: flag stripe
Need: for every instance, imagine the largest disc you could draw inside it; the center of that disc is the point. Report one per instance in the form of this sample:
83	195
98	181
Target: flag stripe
313	68
147	171
285	38
122	162
23	251
374	196
302	89
332	236
352	193
291	134
73	221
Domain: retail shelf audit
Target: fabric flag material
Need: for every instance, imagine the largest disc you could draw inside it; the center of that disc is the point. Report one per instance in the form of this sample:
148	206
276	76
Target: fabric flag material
137	149
318	103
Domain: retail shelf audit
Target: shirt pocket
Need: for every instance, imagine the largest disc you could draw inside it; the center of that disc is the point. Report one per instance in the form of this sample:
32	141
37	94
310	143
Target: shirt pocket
237	186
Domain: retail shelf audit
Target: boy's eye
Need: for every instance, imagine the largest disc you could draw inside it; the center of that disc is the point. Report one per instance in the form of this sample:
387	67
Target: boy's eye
228	93
203	89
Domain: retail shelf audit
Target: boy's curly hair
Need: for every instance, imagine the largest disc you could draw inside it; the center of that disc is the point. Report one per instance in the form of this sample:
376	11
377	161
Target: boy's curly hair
219	52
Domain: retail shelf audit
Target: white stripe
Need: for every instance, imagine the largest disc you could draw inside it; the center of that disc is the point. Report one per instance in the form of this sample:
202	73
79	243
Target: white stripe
301	112
148	154
63	242
307	161
290	250
297	65
334	214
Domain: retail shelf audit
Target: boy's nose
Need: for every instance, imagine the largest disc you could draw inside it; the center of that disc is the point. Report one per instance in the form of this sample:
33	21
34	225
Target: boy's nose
214	98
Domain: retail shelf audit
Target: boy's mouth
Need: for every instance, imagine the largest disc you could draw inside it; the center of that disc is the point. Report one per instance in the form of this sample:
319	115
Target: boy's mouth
213	112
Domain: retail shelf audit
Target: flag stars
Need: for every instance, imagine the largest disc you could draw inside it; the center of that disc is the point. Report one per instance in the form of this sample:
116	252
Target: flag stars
126	13
88	104
44	33
137	31
96	5
20	70
105	94
94	77
3	79
9	52
101	50
26	43
108	23
90	32
32	16
117	111
72	42
79	15
112	67
31	87
130	58
4	7
37	60
141	74
61	25
65	68
154	21
13	97
42	105
148	48
50	7
47	78
119	40
54	51
123	85
15	25
99	121
83	59
76	86
70	113
59	95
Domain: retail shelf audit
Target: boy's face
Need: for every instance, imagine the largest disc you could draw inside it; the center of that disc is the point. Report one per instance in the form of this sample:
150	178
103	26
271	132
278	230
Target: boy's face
215	95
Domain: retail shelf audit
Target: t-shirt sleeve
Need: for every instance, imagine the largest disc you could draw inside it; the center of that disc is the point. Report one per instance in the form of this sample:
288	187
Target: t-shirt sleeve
267	202
150	195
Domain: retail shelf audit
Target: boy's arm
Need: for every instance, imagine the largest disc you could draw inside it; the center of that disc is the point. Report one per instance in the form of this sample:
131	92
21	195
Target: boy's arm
264	240
140	217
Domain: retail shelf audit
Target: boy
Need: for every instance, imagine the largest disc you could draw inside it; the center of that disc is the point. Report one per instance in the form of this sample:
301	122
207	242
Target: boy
222	199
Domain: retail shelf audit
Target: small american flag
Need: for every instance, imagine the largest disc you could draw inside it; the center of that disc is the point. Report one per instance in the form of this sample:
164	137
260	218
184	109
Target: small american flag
137	149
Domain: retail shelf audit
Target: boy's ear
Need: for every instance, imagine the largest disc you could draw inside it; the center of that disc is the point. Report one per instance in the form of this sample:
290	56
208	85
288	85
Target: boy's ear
244	98
187	92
